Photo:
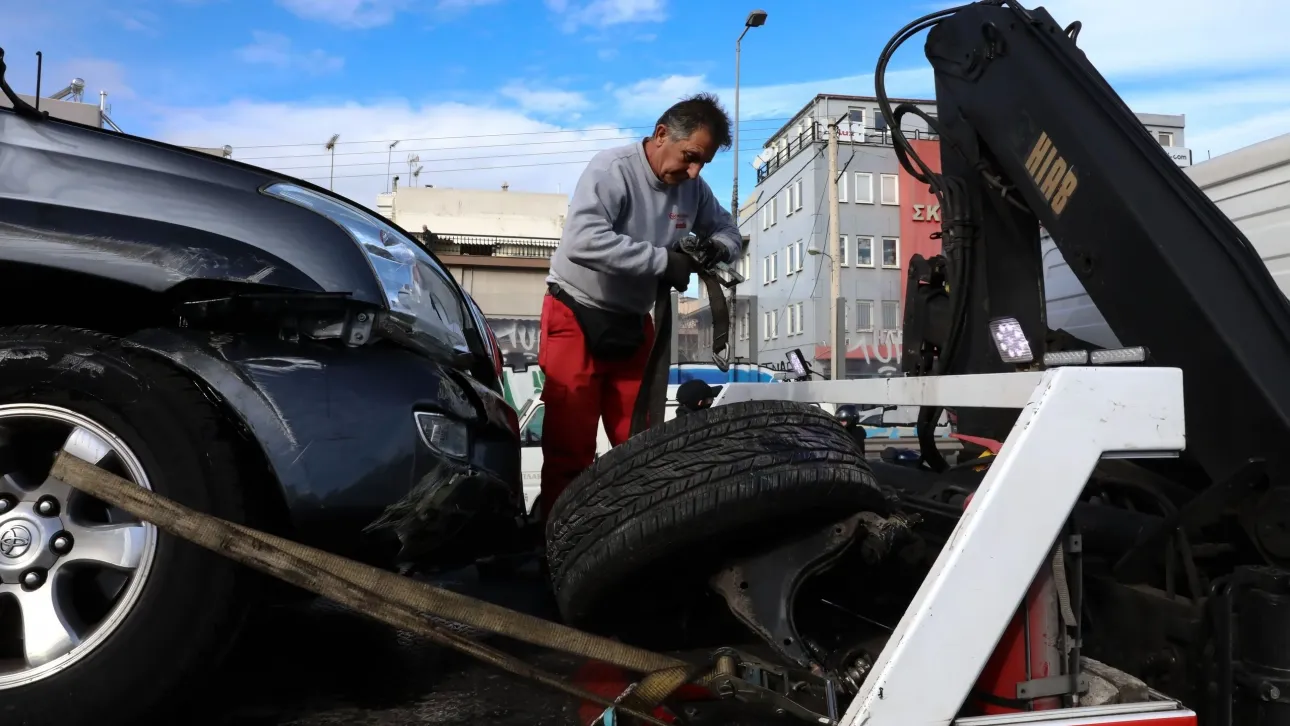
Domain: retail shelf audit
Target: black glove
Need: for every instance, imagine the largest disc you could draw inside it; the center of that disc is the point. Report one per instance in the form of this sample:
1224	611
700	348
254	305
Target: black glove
709	252
679	268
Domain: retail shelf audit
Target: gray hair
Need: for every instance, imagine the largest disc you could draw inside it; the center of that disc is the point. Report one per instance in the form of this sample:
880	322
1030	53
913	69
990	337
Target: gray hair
698	111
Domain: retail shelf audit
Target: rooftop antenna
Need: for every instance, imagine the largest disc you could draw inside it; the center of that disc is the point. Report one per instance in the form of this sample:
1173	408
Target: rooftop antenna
40	65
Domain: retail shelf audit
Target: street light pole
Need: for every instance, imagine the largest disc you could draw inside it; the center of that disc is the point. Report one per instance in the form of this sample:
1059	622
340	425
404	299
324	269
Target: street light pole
389	156
331	147
756	19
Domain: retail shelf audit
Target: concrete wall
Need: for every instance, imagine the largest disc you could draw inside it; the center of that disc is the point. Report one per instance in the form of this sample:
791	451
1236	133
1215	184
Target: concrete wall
476	211
81	113
503	292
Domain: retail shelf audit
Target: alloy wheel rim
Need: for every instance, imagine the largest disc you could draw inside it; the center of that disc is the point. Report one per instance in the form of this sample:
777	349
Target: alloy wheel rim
71	568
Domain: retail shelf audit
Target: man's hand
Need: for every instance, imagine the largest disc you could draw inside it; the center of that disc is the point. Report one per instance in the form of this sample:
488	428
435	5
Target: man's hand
679	268
708	252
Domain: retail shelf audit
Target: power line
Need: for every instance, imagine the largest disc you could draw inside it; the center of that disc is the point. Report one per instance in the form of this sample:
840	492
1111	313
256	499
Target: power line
324	165
466	168
481	136
456	148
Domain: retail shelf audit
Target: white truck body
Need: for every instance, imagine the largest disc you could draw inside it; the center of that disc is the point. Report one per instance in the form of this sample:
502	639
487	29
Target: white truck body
1251	186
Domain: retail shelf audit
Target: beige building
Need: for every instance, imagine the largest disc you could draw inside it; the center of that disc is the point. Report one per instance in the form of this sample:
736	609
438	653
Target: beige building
497	243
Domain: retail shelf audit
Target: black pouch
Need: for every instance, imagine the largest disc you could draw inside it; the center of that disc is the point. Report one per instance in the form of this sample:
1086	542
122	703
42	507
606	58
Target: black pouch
609	335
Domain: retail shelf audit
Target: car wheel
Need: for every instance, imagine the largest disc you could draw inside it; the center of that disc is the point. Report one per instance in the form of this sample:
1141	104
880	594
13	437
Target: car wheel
654	516
102	617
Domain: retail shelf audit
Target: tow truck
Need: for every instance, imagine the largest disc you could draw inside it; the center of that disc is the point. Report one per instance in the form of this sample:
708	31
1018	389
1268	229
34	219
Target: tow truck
1032	585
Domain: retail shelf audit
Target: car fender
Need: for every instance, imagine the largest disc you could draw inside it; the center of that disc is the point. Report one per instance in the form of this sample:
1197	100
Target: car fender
336	425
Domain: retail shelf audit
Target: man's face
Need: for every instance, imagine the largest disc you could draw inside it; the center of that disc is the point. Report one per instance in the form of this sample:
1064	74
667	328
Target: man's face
677	160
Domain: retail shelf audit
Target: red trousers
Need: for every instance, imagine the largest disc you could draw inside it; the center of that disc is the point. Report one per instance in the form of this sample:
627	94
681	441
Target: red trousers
577	392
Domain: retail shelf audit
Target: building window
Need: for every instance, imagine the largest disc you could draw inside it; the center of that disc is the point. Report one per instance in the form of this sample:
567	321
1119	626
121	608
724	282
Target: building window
792	319
844	251
864	251
797	194
797	256
890	315
864	188
767	271
842	187
855	123
773	200
770	325
745	265
1166	138
890	189
790	265
743	327
864	316
788	201
765	216
891	252
774	266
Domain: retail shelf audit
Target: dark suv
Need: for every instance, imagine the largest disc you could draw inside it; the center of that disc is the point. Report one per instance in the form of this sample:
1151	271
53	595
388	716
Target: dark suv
245	343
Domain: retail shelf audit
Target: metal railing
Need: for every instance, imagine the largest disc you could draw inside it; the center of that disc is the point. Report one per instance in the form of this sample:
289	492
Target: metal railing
490	245
806	139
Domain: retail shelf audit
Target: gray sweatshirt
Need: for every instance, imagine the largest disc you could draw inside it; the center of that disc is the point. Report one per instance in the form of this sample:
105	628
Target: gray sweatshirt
621	221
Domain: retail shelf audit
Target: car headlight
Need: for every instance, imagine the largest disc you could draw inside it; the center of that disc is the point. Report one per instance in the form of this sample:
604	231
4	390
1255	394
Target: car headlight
416	289
445	435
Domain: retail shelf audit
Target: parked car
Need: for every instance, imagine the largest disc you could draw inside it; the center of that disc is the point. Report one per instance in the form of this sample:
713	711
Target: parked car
246	343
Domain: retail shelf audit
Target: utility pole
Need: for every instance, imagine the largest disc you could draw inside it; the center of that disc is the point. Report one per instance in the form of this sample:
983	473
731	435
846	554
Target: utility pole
837	356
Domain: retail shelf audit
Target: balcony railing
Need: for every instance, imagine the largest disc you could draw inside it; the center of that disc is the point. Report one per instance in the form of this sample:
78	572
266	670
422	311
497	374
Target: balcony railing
490	245
819	132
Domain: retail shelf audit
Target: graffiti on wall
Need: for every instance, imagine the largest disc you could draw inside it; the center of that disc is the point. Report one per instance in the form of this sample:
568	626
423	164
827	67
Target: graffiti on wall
884	349
518	338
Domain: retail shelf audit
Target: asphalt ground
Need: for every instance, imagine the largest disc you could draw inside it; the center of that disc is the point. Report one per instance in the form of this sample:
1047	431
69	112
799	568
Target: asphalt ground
317	664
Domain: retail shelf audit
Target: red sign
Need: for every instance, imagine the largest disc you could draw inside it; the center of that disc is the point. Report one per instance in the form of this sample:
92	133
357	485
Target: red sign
920	212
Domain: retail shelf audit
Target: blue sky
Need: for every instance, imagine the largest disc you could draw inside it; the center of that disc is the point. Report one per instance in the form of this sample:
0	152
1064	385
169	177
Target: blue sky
524	91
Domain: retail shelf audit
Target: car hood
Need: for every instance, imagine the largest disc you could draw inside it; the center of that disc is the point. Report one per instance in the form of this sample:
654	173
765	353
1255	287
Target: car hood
162	214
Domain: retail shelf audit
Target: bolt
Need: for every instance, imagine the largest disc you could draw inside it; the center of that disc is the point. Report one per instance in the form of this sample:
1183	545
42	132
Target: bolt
32	579
780	712
47	507
61	544
6	503
1269	691
358	336
362	317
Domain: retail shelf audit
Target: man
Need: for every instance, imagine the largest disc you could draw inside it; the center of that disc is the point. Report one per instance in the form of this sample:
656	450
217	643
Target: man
630	207
695	395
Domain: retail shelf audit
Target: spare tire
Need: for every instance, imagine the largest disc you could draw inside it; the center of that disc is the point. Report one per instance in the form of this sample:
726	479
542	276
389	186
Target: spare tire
663	510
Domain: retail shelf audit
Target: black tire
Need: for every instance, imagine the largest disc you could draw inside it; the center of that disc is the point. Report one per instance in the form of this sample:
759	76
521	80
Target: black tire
193	603
660	512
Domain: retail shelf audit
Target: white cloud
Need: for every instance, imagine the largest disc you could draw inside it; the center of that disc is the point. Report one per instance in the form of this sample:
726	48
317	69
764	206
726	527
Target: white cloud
99	75
275	49
606	13
459	145
347	13
545	101
1178	37
650	97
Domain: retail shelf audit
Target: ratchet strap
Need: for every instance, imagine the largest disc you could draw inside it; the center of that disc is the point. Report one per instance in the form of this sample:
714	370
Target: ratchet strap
651	401
393	599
